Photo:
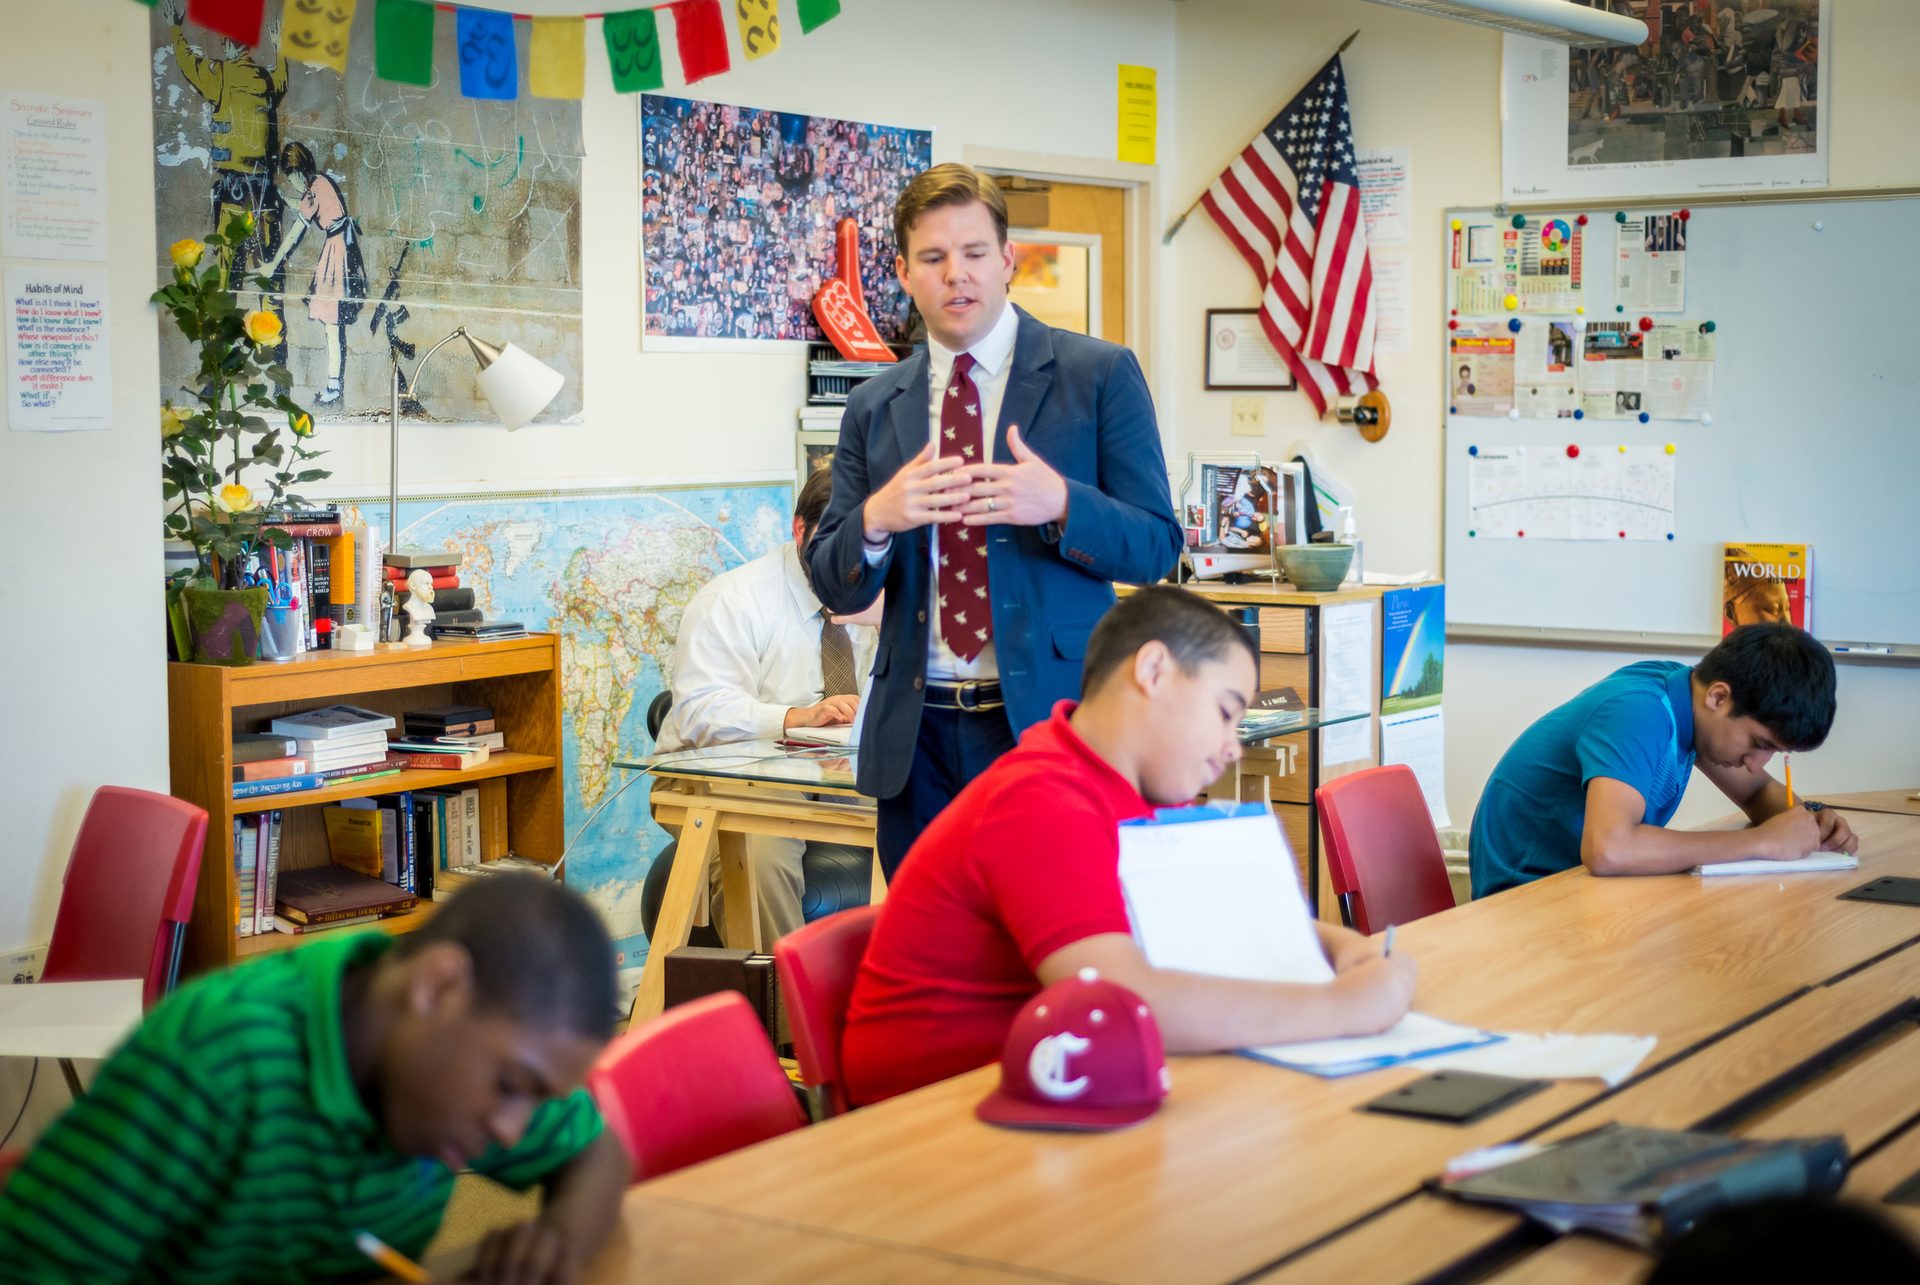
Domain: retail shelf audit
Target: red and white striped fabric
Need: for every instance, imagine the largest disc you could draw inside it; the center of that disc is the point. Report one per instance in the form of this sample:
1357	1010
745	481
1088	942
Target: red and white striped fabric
1290	203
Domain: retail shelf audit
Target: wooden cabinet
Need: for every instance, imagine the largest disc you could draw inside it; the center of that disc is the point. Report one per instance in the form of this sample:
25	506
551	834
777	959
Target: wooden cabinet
1299	649
522	801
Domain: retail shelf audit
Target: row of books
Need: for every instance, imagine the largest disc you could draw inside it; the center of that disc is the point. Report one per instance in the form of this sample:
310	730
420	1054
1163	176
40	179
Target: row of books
318	747
317	899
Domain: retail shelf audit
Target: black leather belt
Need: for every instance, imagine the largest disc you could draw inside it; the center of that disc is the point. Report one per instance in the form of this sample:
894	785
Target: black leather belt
973	695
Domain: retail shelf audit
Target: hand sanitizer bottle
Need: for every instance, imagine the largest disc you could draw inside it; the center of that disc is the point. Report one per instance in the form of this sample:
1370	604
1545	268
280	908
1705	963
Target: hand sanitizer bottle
1355	572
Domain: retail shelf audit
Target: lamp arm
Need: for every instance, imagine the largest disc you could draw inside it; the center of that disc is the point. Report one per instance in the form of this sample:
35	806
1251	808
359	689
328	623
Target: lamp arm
393	425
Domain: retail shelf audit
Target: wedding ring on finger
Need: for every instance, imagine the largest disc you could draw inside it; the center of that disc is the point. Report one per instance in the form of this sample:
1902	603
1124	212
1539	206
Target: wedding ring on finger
991	506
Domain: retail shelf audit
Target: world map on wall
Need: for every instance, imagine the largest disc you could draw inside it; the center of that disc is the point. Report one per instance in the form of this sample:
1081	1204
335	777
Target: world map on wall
611	574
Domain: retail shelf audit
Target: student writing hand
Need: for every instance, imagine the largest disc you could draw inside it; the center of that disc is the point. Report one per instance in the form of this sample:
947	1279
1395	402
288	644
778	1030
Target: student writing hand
926	491
1377	992
530	1253
1789	835
1026	492
1835	834
834	711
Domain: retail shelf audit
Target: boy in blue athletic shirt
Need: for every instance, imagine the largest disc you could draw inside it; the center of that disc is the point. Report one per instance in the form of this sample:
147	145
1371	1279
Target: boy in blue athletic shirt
1595	781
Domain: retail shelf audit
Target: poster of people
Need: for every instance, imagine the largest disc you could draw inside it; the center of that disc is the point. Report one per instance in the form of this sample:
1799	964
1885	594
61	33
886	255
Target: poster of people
1723	96
386	214
738	212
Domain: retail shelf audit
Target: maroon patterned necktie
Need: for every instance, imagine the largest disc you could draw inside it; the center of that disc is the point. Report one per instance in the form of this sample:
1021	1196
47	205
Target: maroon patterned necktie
966	613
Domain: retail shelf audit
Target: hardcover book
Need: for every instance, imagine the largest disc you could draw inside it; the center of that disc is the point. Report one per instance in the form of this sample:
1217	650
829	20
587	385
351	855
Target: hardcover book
326	894
1764	583
332	723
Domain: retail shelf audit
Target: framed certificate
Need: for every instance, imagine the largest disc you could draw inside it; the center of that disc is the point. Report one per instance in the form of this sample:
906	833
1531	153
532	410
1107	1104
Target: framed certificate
813	451
1238	354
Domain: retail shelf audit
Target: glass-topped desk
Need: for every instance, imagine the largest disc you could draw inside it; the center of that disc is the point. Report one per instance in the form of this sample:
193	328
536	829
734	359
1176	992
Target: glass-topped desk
713	798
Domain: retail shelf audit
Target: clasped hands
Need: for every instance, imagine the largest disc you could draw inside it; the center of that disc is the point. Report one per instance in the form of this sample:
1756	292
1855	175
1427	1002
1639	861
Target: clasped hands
941	491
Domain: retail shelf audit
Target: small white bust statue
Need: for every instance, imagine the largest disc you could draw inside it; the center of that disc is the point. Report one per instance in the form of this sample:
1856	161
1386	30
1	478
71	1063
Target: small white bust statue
419	607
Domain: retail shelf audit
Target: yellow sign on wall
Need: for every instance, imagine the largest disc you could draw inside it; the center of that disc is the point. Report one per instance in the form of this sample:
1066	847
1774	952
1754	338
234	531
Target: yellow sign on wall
1139	113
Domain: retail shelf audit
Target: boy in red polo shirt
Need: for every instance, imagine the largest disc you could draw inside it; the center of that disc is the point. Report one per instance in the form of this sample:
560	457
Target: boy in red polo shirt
1017	883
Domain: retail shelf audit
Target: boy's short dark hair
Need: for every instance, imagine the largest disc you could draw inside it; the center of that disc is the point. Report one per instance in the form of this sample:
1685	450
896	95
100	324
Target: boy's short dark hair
1192	628
810	505
1800	1238
1779	675
540	953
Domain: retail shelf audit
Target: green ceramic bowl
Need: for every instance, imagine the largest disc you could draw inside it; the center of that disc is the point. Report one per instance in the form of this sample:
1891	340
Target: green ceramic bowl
1315	568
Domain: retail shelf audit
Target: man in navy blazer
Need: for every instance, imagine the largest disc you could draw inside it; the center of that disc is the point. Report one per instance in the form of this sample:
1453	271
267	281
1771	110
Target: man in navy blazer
998	552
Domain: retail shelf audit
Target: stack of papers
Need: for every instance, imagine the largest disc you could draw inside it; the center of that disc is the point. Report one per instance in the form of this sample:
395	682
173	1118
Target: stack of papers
1607	1058
1812	863
1415	1037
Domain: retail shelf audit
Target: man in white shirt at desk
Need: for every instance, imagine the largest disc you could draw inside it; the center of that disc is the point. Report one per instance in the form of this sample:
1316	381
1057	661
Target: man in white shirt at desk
758	657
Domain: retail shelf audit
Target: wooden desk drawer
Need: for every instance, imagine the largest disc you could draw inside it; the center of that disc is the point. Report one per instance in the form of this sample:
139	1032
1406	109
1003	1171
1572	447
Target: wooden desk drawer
1284	629
1286	671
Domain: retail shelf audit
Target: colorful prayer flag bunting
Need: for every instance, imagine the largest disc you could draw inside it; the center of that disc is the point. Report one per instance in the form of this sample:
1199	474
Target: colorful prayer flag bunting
633	50
759	27
317	33
489	64
701	32
403	41
557	58
816	13
235	19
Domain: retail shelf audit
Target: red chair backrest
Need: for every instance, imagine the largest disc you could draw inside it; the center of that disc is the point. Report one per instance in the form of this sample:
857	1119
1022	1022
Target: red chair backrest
1382	852
129	881
698	1081
816	966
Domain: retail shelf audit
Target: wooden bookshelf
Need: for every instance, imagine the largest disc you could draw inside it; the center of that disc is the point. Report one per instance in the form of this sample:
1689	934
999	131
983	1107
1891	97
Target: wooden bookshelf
522	802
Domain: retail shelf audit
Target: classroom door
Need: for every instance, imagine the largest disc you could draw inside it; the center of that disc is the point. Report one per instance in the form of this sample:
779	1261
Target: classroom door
1052	275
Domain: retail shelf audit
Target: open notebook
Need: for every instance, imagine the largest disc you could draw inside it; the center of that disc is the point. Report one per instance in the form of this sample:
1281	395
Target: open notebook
1215	890
1812	863
840	735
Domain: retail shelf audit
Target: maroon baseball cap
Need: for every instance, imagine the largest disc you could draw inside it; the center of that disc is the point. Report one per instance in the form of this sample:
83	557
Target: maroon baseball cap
1083	1054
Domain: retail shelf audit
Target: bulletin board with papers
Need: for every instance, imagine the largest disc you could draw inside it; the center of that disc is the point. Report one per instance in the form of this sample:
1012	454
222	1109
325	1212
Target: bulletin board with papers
1630	387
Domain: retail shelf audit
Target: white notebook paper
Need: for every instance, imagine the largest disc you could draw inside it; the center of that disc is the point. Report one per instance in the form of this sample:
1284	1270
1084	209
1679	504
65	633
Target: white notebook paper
1216	891
1812	863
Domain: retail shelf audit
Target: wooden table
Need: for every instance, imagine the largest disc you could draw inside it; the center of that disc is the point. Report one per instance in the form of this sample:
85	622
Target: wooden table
713	798
1250	1169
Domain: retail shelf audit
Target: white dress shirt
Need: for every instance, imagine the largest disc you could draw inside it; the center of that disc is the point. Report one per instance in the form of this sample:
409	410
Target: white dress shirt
748	651
993	362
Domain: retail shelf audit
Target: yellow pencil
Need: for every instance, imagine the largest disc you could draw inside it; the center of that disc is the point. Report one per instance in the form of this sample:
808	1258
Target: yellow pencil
390	1258
1789	759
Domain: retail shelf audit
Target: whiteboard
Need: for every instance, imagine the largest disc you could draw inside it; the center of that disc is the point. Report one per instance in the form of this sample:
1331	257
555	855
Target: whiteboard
1814	436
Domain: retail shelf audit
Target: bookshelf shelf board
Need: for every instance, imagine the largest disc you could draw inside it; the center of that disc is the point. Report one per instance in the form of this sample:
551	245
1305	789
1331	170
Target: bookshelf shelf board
392	925
500	763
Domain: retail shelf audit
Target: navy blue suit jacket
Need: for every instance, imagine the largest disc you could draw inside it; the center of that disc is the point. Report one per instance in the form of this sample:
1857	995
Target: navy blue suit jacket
1082	405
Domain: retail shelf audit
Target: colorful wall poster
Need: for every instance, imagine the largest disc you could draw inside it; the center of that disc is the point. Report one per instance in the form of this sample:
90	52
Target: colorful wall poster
1722	97
739	209
385	214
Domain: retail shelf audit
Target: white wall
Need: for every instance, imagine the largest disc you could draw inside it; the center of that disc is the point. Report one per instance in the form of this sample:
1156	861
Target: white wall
83	684
1433	85
85	703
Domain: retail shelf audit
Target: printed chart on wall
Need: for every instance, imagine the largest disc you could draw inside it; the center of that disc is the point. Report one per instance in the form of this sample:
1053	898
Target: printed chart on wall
1413	654
386	214
547	560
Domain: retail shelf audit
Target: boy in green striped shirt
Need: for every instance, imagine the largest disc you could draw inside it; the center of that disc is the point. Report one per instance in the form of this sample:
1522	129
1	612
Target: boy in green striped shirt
263	1115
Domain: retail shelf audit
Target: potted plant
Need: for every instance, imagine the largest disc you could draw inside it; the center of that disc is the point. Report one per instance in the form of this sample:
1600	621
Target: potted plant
231	450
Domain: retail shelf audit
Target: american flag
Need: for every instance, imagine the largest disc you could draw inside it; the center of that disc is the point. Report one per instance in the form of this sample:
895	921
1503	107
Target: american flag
1290	203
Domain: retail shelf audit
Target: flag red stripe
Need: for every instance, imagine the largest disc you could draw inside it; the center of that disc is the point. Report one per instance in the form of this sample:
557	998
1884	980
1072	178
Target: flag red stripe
1219	216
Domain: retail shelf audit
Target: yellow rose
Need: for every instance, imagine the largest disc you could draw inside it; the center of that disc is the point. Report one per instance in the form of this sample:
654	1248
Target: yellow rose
186	252
233	498
173	421
301	424
262	327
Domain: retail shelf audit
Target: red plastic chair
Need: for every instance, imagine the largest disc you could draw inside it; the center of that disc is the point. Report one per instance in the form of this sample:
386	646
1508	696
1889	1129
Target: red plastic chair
1383	855
128	890
816	966
698	1081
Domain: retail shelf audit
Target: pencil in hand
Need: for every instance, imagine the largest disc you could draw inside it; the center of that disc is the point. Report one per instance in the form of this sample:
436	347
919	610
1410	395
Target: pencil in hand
397	1263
